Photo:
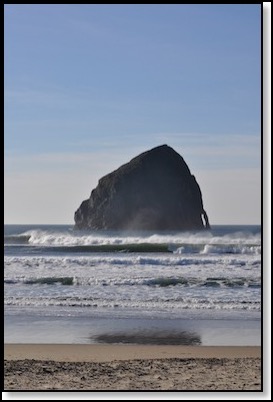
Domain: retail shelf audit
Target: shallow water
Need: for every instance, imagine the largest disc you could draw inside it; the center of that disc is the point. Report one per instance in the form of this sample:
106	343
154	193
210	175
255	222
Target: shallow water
86	329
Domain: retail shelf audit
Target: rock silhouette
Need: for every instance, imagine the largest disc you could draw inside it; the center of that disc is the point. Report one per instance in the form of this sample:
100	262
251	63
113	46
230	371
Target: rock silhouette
154	191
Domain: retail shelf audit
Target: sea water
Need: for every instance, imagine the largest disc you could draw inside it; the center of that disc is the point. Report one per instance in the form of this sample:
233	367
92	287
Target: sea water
69	286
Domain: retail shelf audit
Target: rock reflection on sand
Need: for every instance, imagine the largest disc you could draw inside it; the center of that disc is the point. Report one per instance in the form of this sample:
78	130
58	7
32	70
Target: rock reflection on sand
151	338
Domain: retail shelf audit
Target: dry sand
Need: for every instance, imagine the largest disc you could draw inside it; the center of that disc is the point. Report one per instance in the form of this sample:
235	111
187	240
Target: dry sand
77	367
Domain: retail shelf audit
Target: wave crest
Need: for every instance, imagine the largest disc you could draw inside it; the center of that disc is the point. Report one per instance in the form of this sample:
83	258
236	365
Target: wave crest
153	282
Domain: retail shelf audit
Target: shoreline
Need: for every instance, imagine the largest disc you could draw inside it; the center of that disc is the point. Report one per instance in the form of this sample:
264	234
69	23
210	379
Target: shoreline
104	367
107	352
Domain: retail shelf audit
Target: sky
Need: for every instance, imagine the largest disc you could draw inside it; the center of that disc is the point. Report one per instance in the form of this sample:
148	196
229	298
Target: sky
88	87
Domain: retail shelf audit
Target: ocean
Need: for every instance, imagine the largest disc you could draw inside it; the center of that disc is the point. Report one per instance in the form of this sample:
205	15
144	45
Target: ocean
67	286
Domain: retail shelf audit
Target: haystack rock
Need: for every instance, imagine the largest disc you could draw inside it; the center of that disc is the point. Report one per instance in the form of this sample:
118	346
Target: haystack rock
154	191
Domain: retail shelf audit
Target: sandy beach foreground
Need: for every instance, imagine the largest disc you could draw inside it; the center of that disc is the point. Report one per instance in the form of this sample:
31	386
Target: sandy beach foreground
44	367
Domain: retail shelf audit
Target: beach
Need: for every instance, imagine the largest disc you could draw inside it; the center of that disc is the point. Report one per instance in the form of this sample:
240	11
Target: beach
104	367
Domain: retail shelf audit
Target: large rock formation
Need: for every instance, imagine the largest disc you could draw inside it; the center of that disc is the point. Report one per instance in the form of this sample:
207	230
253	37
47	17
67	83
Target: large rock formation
154	191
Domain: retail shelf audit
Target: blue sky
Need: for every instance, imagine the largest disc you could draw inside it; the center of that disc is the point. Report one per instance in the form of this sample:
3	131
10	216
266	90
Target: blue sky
88	87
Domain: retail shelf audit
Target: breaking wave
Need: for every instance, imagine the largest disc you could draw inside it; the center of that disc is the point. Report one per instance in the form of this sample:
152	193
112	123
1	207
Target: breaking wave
167	271
128	260
198	243
152	282
177	304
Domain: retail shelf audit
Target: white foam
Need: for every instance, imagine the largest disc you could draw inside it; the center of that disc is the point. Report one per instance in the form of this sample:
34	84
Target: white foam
230	249
49	238
204	273
131	261
136	304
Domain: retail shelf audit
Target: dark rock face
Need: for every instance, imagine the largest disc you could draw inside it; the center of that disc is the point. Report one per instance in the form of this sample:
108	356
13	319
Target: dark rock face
154	191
